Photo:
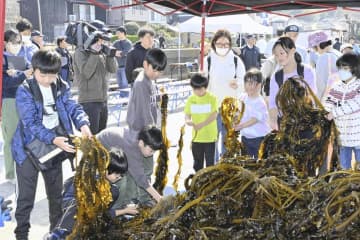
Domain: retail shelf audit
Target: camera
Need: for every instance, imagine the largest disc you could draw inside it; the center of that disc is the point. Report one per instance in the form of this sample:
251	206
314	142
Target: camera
83	34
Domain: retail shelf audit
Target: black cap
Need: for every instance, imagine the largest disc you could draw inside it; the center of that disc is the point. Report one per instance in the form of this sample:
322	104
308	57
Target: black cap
292	28
36	33
121	29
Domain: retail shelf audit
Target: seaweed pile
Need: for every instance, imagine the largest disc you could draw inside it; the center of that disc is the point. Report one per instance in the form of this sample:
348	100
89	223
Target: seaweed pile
229	201
92	191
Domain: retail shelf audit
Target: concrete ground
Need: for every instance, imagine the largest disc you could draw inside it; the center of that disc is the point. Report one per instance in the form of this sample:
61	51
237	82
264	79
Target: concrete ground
39	217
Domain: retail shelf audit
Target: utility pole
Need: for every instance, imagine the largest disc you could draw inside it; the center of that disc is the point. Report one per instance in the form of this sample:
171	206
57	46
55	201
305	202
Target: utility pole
39	16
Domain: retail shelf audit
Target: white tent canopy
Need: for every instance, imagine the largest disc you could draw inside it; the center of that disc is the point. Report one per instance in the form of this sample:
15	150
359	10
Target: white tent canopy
234	23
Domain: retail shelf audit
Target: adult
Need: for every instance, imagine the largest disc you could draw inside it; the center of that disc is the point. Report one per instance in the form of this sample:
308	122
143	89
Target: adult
15	71
292	31
326	63
37	39
123	46
136	55
92	68
337	44
67	70
356	48
250	54
24	27
226	72
289	59
162	41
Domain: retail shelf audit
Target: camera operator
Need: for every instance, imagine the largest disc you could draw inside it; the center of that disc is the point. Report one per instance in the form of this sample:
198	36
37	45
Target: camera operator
93	61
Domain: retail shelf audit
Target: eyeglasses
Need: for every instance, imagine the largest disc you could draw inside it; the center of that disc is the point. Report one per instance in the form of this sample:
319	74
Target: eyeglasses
222	45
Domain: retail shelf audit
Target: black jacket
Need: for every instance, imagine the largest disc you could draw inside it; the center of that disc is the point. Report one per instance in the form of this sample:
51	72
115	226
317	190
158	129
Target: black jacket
135	59
251	57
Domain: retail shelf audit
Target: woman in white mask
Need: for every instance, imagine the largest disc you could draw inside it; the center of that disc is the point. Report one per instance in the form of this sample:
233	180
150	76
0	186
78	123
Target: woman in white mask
226	72
343	104
15	71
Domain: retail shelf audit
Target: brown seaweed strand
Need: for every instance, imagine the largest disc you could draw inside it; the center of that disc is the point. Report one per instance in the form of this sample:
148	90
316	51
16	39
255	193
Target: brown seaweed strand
179	158
163	159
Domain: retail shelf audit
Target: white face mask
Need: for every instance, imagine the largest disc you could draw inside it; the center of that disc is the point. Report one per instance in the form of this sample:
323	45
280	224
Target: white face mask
344	75
26	39
222	51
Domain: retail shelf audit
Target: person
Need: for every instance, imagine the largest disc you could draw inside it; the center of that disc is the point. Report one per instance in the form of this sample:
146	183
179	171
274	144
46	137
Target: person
135	186
225	72
13	76
337	44
326	63
200	113
37	40
346	48
254	124
356	48
143	108
161	41
136	55
92	69
305	134
261	44
250	54
292	31
39	120
118	166
286	55
123	46
67	70
343	105
24	27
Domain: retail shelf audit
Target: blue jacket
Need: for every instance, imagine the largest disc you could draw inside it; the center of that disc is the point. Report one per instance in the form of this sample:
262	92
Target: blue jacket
11	83
30	111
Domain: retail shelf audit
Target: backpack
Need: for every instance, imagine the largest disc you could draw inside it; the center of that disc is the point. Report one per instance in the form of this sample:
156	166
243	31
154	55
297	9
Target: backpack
36	93
235	62
279	75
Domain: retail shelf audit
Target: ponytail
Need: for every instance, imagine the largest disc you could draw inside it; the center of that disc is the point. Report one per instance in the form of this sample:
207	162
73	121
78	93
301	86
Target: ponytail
298	58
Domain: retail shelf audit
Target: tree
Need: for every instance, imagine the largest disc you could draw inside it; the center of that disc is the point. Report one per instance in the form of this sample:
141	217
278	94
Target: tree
132	28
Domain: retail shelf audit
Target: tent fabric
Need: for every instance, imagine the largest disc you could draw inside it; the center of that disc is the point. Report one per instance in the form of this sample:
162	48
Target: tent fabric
233	23
226	7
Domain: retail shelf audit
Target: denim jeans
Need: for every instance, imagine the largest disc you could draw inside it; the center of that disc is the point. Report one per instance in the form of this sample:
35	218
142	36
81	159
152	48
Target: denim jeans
219	151
346	154
122	81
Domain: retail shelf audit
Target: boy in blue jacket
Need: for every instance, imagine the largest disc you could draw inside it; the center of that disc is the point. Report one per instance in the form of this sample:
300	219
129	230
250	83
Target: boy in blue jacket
38	119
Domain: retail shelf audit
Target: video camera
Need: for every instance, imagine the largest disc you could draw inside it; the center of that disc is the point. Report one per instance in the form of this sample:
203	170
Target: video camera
84	34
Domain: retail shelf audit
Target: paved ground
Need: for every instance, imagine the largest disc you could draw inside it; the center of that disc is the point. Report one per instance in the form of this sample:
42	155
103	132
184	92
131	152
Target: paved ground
39	217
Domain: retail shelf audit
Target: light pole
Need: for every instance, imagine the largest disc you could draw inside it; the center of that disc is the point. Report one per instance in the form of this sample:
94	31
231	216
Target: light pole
39	16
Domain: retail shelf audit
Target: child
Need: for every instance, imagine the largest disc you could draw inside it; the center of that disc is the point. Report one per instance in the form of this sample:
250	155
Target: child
200	113
136	185
254	123
117	168
143	109
343	104
39	116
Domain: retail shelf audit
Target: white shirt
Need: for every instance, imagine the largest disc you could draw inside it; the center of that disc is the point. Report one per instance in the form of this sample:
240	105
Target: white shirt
50	114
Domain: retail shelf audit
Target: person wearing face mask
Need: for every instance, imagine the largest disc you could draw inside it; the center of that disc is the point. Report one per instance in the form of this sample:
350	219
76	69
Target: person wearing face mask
225	72
343	105
15	71
24	27
91	69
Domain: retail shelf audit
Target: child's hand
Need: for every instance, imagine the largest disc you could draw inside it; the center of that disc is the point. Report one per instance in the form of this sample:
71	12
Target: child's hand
190	123
85	131
238	127
28	73
198	126
233	84
131	209
329	116
62	142
11	72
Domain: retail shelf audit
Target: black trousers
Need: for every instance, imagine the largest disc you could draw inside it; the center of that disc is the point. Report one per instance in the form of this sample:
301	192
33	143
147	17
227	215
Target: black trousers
201	152
252	145
98	115
27	177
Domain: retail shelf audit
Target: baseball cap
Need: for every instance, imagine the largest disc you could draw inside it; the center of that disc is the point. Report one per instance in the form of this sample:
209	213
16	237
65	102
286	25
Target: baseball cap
292	28
36	33
316	38
345	45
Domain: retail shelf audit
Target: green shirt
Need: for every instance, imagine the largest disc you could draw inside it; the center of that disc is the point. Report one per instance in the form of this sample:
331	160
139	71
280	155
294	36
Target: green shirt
200	108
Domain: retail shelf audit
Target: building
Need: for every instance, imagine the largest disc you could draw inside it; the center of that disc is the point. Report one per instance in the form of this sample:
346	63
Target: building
12	13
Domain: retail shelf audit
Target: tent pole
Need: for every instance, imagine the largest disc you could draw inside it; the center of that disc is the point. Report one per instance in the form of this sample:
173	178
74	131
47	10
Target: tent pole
202	35
2	28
